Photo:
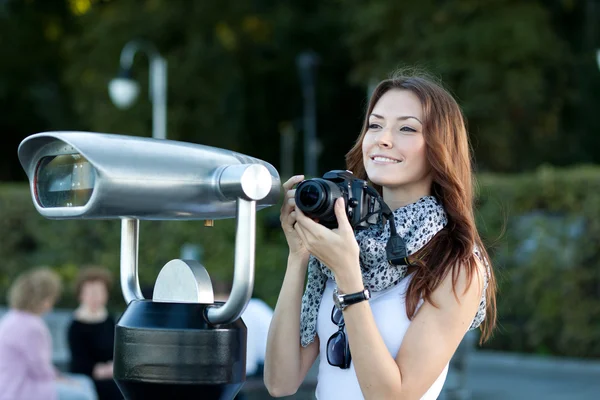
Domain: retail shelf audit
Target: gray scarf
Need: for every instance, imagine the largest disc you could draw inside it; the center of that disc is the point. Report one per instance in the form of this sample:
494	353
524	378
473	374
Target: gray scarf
416	223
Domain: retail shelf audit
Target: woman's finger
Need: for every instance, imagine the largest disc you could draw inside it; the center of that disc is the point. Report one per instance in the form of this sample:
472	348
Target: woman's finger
289	202
292	181
302	233
341	216
313	231
291	219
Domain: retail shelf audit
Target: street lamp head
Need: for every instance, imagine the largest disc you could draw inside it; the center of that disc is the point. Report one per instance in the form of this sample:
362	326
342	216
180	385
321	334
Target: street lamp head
123	90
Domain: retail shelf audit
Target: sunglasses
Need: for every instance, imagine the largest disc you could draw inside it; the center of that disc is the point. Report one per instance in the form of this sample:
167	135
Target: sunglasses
338	348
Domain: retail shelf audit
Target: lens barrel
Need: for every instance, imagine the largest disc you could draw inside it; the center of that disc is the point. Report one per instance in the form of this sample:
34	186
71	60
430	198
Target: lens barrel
316	198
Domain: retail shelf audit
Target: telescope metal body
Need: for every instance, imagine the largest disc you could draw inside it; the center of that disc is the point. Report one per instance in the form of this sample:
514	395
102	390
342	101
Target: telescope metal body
162	345
146	179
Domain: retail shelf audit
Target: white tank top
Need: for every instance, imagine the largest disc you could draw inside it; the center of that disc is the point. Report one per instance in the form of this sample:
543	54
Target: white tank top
389	310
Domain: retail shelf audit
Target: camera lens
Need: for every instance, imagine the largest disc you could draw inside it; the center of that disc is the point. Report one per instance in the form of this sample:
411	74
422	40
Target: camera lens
316	197
310	195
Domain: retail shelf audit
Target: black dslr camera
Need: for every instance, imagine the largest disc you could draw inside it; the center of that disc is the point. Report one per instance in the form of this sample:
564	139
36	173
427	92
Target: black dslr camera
316	198
364	206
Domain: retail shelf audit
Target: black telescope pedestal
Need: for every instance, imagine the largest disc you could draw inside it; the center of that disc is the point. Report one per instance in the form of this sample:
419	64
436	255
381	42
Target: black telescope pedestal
168	351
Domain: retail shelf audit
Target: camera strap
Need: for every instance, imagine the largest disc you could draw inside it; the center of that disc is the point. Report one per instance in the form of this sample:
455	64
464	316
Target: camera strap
395	249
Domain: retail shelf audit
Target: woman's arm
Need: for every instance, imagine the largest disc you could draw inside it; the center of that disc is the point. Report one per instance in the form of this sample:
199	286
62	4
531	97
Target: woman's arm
286	361
36	351
427	347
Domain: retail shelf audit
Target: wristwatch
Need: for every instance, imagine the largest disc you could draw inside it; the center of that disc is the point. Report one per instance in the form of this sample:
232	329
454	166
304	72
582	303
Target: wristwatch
342	301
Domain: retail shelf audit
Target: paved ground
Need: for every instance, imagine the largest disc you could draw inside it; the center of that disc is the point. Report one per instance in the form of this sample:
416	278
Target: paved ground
505	376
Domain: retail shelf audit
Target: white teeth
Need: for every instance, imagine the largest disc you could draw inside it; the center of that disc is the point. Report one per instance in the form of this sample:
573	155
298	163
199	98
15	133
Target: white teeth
385	159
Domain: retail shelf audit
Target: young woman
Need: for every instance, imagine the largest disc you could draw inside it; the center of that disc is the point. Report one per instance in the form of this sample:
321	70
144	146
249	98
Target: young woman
397	344
92	332
26	370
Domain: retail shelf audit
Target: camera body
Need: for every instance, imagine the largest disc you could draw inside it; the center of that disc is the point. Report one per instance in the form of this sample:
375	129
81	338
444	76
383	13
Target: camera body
316	198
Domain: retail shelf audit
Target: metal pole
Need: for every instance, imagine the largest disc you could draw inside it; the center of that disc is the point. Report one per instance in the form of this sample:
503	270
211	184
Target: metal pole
243	269
307	62
158	87
157	82
288	137
130	284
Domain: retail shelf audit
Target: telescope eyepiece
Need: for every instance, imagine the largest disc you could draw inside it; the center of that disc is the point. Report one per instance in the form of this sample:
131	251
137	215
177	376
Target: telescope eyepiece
65	180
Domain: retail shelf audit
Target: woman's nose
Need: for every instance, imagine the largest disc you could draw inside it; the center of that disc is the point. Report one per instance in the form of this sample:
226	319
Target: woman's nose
384	139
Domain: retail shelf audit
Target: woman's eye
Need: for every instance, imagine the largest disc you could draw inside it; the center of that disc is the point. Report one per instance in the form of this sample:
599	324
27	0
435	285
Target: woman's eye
374	126
407	129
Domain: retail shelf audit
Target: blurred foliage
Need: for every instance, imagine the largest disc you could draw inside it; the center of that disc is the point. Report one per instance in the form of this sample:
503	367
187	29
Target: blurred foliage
524	71
502	59
233	78
547	261
33	97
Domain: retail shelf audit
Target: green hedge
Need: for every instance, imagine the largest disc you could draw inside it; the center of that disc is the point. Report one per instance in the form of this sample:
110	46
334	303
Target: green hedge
543	229
547	260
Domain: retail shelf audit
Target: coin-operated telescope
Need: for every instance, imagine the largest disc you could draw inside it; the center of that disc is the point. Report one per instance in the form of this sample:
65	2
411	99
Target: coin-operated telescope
180	344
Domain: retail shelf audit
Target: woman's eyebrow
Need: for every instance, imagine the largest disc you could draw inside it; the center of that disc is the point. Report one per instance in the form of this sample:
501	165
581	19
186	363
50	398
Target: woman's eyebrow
402	118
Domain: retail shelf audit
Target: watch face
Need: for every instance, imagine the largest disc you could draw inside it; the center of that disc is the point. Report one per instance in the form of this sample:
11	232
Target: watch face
336	300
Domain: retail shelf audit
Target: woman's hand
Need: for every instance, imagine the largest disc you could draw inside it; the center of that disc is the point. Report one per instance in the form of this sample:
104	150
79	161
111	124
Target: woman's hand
66	380
288	219
103	370
336	248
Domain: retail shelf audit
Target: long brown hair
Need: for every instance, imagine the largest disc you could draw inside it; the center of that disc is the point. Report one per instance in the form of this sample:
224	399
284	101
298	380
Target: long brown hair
449	157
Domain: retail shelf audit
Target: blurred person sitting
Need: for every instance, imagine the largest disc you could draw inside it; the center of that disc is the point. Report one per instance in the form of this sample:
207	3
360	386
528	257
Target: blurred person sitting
91	333
26	370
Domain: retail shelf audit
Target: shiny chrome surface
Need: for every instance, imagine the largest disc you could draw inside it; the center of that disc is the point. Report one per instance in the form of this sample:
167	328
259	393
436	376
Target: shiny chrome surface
243	272
146	178
250	181
130	284
183	281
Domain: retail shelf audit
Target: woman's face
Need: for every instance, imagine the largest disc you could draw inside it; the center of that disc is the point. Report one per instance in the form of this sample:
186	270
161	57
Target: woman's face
394	147
94	294
47	305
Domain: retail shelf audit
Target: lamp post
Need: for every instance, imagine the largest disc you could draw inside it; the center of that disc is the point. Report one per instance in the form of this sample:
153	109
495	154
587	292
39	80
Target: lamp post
307	63
124	90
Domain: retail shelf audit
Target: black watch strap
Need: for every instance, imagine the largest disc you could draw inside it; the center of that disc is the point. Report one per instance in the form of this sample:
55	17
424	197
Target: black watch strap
354	298
344	300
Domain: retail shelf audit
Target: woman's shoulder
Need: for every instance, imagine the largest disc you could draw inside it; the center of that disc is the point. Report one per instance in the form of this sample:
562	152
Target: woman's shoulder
462	282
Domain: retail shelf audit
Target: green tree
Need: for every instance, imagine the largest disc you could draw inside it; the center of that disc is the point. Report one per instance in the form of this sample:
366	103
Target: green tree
32	96
232	72
501	58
